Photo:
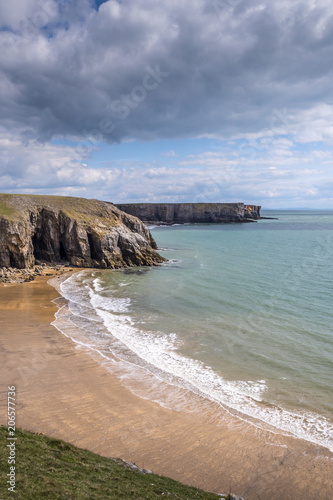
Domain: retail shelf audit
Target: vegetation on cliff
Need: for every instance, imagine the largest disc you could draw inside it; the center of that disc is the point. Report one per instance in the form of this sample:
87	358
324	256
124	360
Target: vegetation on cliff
85	233
50	468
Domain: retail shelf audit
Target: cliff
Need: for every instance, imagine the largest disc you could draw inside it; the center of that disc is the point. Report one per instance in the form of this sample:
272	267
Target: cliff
180	213
85	233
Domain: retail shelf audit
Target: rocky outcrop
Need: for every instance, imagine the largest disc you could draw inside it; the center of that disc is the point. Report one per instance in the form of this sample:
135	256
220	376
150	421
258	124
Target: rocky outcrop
252	212
180	213
85	233
15	275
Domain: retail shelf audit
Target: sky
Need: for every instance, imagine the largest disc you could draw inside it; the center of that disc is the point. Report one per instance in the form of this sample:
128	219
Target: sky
173	101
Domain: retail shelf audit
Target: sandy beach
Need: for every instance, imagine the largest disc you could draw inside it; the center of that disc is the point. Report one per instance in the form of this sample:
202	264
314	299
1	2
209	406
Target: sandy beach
63	392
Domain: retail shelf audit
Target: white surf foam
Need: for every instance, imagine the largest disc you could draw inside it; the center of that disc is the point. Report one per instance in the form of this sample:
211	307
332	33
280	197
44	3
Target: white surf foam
158	354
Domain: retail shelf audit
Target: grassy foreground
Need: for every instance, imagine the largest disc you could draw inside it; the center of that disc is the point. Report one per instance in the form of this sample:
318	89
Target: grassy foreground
50	468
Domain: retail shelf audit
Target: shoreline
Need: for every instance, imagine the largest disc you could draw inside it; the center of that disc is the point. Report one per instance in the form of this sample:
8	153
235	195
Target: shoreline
12	275
63	392
161	369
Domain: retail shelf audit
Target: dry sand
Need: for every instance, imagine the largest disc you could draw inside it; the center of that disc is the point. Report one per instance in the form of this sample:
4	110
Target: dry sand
63	392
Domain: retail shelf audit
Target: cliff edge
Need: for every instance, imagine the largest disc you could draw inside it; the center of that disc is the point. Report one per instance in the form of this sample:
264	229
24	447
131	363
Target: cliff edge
85	233
180	213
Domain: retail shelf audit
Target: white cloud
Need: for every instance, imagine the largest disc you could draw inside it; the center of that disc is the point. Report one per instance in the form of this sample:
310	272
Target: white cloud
168	154
242	67
257	76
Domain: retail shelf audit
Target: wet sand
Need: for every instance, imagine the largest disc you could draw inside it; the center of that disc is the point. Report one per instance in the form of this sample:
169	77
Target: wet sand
63	392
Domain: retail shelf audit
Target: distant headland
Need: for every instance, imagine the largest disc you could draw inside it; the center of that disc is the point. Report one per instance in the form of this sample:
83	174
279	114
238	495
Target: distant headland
37	229
182	213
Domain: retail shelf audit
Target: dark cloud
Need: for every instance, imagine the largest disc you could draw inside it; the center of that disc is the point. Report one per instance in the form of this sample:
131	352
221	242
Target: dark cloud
256	76
145	70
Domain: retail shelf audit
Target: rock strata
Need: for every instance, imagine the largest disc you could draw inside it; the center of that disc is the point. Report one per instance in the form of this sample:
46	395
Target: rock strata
83	233
180	213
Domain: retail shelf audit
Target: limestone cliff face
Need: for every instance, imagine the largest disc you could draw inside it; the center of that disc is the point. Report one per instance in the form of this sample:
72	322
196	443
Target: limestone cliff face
180	213
87	233
252	212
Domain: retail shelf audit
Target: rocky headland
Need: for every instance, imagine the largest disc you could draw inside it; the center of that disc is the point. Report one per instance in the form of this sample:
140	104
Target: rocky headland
182	213
80	232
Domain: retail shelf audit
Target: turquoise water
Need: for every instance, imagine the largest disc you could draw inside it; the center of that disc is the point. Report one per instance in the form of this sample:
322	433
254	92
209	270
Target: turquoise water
241	314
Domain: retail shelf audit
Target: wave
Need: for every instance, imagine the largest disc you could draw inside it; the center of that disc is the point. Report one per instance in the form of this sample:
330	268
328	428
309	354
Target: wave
102	323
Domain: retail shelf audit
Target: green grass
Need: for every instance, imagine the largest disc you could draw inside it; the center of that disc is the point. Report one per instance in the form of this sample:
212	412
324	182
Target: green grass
6	211
52	469
84	211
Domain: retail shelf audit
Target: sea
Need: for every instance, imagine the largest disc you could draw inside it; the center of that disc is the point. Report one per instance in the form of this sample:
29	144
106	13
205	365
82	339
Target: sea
240	316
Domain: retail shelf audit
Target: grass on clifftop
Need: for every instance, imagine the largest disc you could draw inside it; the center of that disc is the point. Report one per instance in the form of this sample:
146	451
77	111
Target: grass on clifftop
6	211
50	468
86	211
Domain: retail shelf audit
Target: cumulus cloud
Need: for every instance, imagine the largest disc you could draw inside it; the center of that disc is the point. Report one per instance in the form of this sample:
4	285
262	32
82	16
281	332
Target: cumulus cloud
143	70
255	76
282	172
